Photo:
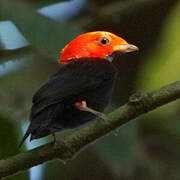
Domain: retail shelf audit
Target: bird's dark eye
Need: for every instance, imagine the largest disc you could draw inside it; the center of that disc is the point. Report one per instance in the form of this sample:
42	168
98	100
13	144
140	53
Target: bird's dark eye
104	41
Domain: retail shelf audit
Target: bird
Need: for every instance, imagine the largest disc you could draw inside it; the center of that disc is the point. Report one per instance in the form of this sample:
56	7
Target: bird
81	89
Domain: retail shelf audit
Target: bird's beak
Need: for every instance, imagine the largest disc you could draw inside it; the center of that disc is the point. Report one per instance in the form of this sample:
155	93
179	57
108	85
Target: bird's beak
126	48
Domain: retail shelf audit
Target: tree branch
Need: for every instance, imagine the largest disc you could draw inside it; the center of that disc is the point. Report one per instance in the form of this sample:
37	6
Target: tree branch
69	146
6	54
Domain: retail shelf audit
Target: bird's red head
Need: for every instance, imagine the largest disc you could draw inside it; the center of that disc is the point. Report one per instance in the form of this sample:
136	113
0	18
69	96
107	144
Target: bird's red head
98	44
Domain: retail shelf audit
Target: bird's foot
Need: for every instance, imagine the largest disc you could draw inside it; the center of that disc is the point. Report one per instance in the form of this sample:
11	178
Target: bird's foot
56	143
54	138
82	105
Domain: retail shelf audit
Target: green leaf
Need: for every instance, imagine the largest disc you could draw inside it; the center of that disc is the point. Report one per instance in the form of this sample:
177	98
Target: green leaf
162	66
46	35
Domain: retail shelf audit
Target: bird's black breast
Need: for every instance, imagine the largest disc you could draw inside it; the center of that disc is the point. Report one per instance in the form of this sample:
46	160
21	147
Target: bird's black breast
97	97
89	80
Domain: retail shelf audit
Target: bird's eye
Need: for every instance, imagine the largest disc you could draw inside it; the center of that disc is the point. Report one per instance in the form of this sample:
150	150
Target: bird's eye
104	41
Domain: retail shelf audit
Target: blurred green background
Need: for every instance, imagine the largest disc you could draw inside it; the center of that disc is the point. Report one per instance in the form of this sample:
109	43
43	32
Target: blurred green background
32	33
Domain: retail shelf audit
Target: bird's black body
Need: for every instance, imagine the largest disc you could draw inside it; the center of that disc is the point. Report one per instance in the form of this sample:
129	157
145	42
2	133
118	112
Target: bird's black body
89	80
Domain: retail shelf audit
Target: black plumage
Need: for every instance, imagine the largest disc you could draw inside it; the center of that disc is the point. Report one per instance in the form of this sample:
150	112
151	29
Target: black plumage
53	108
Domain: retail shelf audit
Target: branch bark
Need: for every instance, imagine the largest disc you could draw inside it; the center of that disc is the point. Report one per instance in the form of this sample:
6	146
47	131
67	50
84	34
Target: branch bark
69	146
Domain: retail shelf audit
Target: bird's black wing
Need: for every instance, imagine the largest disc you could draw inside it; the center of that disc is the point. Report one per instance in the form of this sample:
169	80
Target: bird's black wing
70	81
